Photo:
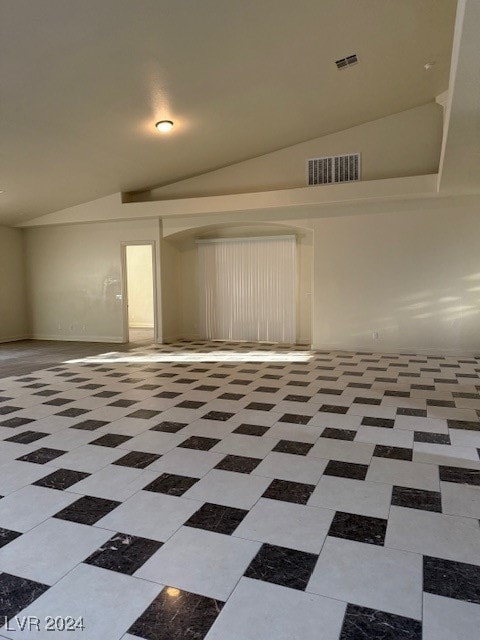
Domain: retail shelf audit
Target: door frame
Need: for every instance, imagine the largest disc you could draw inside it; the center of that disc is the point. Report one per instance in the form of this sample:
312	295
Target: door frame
124	245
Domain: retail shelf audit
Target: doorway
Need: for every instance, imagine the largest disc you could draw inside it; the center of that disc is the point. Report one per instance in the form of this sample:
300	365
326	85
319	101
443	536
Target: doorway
139	322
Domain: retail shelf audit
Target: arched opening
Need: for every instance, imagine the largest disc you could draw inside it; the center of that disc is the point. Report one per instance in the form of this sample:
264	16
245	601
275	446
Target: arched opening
182	286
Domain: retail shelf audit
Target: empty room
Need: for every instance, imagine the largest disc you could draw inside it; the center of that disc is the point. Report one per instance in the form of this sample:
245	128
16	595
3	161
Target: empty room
240	319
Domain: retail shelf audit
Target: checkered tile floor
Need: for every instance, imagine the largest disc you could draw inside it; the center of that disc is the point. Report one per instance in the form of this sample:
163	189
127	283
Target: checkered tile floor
242	492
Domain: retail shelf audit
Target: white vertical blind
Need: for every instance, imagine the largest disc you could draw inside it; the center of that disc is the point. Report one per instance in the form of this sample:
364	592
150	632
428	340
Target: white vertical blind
247	289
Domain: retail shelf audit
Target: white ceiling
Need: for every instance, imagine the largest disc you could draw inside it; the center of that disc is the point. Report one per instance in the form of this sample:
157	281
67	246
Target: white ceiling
84	82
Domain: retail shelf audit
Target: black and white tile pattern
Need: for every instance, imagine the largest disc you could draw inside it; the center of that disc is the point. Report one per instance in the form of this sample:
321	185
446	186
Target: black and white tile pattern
232	491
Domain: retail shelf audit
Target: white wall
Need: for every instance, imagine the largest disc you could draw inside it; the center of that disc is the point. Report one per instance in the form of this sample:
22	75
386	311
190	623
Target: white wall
13	304
140	286
403	144
75	277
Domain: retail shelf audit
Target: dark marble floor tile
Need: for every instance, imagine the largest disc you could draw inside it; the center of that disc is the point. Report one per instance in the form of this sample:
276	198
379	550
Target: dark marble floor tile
361	623
441	403
332	392
462	476
143	414
177	615
6	536
89	425
8	408
291	446
346	470
73	412
148	387
123	402
251	429
397	394
432	438
298	383
331	408
171	484
397	453
168	394
206	387
46	392
467	425
283	566
111	440
294	418
359	528
17	593
423	387
451	579
231	396
241	381
185	380
296	398
61	479
216	517
222	416
259	406
286	491
123	553
169	427
87	510
137	459
59	402
363	400
190	404
359	385
106	394
384	423
27	437
239	464
199	442
417	499
338	434
42	456
12	423
407	411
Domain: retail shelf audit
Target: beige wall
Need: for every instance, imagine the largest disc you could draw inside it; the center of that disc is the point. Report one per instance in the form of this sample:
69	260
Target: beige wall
412	277
75	278
140	286
13	306
404	144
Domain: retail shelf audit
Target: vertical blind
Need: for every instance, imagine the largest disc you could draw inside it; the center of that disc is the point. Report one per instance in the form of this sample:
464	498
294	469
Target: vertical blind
247	289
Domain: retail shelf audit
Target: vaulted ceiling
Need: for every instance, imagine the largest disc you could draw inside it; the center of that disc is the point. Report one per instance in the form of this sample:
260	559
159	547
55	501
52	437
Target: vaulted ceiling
83	84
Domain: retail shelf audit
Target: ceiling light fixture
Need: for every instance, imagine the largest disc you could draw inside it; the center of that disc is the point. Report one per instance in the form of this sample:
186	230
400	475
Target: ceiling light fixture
428	65
164	125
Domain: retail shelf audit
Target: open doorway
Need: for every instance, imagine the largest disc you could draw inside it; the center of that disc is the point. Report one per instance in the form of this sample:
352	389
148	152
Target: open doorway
139	293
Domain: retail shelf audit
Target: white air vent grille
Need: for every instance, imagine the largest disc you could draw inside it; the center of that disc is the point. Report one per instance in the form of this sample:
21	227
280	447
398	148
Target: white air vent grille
334	169
343	63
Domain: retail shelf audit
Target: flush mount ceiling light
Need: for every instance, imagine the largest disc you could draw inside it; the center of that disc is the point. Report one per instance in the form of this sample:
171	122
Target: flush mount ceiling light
164	125
428	65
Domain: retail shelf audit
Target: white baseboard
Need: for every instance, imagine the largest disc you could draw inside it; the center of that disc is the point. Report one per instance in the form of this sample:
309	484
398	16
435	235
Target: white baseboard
71	338
141	325
386	349
14	338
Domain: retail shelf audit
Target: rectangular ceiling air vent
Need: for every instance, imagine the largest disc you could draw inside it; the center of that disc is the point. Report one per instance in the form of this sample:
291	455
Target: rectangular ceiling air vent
343	63
333	169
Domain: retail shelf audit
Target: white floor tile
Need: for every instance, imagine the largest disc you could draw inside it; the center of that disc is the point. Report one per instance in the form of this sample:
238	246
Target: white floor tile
201	562
259	610
369	575
352	496
287	525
